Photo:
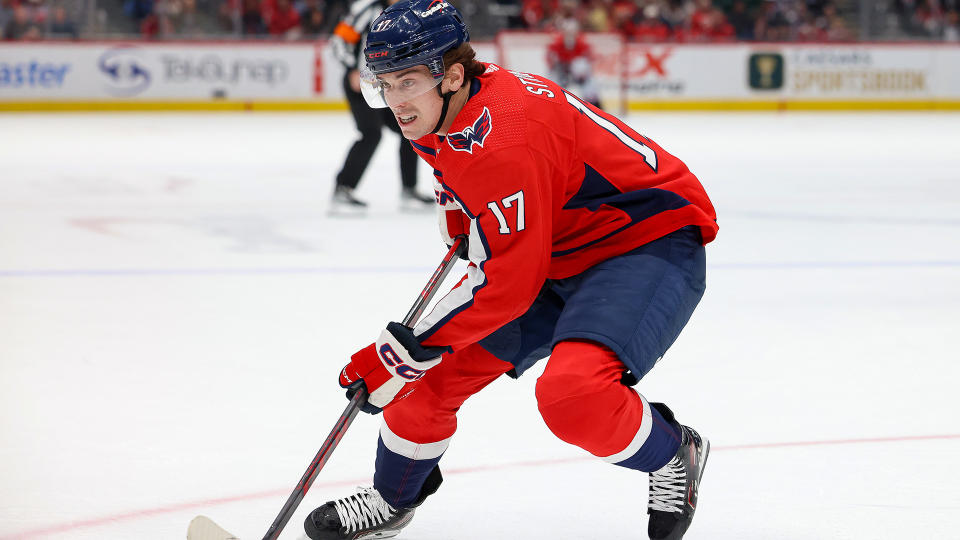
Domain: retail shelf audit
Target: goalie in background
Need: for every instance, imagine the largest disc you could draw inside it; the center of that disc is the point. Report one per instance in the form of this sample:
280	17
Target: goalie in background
570	60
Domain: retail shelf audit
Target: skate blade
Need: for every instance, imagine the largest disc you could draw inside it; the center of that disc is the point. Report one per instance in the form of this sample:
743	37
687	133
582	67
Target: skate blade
704	454
203	528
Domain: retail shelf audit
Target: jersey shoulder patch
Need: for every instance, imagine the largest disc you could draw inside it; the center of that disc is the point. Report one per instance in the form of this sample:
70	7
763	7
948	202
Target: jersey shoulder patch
475	134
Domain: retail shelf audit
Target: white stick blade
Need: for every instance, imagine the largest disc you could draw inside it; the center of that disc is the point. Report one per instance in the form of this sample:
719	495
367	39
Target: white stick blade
203	528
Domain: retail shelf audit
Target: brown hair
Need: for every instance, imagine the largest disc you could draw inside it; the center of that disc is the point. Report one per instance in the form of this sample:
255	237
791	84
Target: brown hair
464	54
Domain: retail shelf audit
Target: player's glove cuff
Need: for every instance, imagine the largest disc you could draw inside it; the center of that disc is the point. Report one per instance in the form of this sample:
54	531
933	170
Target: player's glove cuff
387	365
403	336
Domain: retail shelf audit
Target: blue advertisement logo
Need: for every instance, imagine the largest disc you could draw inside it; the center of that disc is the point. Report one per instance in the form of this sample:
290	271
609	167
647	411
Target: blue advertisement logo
32	74
125	71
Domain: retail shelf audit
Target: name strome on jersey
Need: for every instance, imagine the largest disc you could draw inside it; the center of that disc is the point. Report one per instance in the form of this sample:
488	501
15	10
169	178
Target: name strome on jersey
545	186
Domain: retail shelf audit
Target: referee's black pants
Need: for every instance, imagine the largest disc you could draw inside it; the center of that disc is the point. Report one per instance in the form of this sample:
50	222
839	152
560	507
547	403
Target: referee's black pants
370	122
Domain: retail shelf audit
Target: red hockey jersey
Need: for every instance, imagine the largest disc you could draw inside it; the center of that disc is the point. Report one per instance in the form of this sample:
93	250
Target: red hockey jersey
559	53
545	186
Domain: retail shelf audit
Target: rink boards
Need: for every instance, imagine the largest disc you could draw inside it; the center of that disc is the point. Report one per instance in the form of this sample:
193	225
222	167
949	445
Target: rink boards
51	76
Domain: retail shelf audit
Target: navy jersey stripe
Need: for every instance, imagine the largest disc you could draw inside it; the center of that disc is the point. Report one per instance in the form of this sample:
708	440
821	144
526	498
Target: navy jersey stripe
596	192
425	149
474	87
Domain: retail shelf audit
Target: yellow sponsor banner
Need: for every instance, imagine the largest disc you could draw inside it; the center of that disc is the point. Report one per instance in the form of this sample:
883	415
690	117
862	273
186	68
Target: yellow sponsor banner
795	105
864	82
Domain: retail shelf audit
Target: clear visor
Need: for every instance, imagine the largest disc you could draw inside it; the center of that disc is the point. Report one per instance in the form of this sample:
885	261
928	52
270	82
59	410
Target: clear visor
396	87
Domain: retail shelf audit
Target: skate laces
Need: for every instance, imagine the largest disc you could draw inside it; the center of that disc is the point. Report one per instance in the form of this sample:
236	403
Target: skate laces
668	487
366	508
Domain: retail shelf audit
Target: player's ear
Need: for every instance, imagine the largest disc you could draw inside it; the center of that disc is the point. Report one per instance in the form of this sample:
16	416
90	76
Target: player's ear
453	79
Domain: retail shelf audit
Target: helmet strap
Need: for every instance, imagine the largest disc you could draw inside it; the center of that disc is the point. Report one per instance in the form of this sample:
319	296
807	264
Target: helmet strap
446	105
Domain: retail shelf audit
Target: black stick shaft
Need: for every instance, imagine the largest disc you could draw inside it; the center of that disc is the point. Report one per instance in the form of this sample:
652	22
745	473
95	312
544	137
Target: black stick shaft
458	247
349	413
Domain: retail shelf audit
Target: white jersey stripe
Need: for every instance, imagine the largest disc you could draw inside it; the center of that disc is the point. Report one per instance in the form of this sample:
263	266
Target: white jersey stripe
409	449
648	154
462	297
459	298
646	426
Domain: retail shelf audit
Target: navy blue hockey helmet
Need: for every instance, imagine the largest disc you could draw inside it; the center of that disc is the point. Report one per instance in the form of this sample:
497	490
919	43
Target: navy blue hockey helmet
412	33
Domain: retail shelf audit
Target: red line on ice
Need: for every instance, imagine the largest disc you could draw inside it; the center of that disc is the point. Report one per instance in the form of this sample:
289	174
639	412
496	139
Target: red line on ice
195	505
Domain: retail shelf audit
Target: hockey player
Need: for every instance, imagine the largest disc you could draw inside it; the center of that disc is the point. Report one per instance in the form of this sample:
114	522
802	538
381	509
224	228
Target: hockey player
586	244
569	58
347	42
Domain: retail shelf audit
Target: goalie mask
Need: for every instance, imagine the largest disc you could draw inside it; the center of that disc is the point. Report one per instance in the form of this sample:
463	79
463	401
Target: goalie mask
409	34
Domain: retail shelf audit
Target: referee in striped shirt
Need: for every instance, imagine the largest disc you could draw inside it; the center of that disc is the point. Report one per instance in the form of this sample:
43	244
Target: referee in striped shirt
347	42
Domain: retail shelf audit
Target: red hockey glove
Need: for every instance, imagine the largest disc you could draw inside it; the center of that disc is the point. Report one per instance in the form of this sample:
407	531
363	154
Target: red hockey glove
387	365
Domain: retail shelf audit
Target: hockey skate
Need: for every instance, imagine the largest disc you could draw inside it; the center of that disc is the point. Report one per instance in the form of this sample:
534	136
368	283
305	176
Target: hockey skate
362	515
344	203
411	201
674	488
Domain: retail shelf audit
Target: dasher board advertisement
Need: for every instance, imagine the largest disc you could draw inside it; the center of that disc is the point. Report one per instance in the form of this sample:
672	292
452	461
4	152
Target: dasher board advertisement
158	71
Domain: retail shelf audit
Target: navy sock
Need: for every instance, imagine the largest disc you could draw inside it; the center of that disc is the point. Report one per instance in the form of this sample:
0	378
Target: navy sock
660	446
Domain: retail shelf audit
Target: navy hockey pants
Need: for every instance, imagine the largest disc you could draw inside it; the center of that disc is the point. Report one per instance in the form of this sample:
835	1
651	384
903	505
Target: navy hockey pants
631	308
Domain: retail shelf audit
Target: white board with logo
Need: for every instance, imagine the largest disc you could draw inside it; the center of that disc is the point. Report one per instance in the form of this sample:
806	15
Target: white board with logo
158	71
681	75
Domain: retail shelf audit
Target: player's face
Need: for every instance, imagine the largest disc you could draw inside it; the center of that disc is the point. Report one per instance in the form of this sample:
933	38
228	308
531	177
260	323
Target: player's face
416	112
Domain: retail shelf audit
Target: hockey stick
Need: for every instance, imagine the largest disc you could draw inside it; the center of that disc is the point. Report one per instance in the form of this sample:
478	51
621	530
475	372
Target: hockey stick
202	528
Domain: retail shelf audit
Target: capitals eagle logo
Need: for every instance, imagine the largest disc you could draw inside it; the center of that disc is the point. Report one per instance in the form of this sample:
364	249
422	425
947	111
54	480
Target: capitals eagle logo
463	141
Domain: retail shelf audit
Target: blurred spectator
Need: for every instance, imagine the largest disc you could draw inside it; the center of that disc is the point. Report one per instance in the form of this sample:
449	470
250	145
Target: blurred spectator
708	23
336	10
637	20
676	13
283	20
150	26
930	17
228	15
702	10
597	17
621	13
312	19
535	12
62	25
647	26
808	27
190	19
772	24
21	26
836	26
6	15
741	20
567	10
906	16
251	18
951	30
174	17
37	11
510	13
138	10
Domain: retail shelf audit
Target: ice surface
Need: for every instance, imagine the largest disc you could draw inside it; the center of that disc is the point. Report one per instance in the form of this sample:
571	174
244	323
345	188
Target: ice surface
175	305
